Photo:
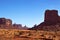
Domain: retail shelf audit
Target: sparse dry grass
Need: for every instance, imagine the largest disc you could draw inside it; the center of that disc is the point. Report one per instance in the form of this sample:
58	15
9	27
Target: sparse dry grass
16	34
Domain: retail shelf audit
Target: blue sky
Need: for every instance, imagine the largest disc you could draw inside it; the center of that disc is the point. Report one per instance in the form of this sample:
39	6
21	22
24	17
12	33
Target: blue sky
27	12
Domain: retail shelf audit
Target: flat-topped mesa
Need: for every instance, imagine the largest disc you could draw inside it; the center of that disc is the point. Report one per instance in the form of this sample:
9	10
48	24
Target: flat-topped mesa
2	21
51	21
51	16
6	22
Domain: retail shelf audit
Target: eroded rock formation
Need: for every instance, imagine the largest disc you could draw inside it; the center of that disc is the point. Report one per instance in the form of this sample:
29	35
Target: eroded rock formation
51	21
19	26
7	24
51	16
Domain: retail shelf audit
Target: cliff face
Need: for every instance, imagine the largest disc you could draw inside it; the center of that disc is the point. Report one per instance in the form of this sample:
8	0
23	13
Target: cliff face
7	24
51	16
19	26
51	21
2	21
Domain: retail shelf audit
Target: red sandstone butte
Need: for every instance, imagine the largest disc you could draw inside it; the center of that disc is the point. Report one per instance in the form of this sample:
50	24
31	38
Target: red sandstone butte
51	21
51	16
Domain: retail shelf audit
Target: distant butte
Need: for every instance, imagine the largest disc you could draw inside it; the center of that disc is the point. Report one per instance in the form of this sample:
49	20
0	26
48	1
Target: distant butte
7	24
51	21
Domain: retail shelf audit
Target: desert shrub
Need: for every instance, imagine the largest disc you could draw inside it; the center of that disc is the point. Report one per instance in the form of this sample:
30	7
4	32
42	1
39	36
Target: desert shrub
16	33
37	39
54	36
21	32
42	35
29	34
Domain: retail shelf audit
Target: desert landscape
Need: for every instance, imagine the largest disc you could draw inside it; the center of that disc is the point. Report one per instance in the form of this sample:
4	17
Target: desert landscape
47	30
15	34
